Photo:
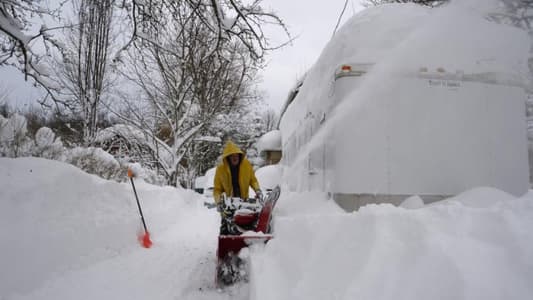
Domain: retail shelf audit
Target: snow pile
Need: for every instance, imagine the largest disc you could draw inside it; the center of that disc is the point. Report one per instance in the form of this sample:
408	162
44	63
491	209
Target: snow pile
269	176
446	251
269	141
66	234
412	202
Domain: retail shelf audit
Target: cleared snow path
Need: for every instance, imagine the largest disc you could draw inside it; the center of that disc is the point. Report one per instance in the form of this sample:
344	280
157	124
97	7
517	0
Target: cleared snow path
179	266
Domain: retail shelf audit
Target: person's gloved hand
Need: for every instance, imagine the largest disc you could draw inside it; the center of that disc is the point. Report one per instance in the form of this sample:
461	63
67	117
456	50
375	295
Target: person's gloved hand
221	203
258	194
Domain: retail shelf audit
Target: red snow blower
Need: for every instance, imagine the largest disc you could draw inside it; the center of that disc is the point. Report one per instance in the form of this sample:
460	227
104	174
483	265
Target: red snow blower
144	238
243	223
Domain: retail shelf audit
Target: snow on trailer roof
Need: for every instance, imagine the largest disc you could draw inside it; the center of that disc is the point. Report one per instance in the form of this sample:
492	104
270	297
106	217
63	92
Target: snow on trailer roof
367	38
398	34
393	37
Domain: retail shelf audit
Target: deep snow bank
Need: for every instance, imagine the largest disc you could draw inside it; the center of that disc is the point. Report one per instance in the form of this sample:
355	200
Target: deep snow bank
55	219
478	245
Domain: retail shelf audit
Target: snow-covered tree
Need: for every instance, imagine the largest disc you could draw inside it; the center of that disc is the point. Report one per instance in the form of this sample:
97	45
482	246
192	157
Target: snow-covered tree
185	85
242	21
21	26
430	3
22	23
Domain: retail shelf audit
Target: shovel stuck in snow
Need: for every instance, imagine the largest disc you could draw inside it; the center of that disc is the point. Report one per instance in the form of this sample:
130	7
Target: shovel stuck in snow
144	238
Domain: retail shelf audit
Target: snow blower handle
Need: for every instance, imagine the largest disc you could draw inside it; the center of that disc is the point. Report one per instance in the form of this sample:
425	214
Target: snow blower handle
259	196
144	239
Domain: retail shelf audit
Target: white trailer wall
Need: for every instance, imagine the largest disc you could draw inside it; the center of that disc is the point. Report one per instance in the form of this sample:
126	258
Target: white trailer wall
432	137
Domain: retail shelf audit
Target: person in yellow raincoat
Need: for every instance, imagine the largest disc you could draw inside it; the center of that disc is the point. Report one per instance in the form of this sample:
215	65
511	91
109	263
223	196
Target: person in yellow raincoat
235	175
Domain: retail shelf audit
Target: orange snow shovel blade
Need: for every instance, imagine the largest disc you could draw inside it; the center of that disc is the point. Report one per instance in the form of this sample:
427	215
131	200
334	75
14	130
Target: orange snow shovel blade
144	239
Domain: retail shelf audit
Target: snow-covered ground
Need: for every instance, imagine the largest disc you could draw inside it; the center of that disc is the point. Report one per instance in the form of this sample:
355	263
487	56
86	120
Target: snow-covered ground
65	234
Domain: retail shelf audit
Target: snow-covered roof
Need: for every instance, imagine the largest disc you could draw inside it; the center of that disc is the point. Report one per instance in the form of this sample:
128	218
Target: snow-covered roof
206	138
270	141
125	131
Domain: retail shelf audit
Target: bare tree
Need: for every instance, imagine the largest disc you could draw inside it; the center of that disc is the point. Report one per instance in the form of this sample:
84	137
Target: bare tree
17	35
93	44
82	68
224	19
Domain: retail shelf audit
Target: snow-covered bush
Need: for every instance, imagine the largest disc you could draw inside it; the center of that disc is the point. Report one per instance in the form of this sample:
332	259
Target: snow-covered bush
96	161
47	145
147	175
14	141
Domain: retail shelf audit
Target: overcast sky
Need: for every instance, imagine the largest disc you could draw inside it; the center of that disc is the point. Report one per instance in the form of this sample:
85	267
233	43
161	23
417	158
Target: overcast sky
310	22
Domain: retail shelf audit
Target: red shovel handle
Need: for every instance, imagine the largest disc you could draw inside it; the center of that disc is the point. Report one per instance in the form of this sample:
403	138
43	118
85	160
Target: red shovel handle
144	239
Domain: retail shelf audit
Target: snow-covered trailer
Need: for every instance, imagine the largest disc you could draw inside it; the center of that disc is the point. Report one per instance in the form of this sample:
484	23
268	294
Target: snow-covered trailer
374	123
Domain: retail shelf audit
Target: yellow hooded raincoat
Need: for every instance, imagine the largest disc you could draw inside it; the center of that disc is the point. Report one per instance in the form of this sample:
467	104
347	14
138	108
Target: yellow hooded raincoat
247	177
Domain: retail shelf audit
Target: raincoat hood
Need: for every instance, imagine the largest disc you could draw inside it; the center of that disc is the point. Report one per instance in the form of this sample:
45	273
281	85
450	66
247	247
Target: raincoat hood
230	149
